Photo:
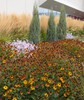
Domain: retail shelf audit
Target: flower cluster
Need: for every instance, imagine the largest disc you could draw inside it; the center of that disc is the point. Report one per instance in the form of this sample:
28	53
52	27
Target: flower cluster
52	71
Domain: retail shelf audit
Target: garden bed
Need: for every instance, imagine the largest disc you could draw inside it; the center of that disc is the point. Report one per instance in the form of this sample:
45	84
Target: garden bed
52	72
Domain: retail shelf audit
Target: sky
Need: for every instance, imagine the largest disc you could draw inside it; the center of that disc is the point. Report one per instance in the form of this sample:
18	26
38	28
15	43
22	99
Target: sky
16	6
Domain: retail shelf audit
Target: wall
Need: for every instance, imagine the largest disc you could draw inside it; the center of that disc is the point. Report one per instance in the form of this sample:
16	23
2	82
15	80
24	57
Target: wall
16	6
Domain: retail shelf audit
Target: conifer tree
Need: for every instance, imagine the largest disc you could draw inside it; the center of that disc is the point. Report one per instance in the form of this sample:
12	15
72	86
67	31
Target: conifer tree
61	27
51	33
34	32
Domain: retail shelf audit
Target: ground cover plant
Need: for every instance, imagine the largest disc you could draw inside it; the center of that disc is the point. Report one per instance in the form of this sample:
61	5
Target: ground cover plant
51	71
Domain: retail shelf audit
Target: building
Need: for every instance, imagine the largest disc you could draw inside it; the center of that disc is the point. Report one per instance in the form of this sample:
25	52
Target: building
73	8
16	6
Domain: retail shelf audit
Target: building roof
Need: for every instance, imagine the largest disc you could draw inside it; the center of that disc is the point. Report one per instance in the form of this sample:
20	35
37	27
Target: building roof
72	7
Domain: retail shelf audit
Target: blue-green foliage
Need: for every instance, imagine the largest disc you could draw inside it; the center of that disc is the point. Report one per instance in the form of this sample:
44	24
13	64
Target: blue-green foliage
34	32
61	27
51	33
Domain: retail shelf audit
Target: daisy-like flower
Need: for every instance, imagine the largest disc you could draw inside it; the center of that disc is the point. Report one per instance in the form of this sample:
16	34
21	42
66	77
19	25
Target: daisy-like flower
14	98
25	82
5	94
70	73
54	87
4	61
65	95
5	87
32	88
59	84
46	95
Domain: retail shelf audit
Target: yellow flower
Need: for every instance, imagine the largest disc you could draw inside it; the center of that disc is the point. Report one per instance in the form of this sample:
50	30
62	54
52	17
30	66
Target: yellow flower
43	78
45	74
47	85
61	68
78	55
5	94
32	88
65	95
5	87
11	56
4	61
17	85
72	59
21	93
62	80
10	90
46	94
14	98
70	73
54	87
25	82
50	81
31	81
59	84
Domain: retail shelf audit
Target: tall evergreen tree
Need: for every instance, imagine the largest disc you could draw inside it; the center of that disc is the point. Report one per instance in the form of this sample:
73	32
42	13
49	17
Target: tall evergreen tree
51	33
34	32
61	27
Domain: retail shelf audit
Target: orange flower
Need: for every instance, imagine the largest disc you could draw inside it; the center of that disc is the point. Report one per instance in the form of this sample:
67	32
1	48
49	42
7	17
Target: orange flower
43	78
47	85
9	96
11	77
65	95
62	80
4	61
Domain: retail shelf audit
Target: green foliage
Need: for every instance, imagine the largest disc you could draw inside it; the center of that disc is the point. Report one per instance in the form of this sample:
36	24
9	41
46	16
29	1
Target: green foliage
17	34
82	86
34	32
51	33
5	37
76	32
61	28
43	36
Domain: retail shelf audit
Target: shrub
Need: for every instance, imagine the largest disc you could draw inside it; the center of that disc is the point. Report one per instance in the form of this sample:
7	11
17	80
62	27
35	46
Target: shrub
61	27
34	32
51	33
